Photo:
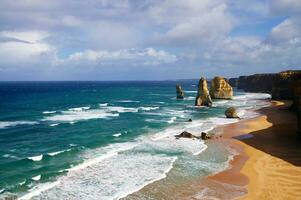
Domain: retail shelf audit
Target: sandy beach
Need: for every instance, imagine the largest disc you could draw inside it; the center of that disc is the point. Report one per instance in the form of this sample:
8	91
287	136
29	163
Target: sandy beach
269	163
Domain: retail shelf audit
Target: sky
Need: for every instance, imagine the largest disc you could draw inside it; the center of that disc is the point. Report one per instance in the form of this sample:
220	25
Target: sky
147	39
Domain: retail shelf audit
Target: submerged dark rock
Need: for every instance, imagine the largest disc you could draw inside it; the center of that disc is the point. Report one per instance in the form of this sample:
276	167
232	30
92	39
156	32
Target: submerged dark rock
190	120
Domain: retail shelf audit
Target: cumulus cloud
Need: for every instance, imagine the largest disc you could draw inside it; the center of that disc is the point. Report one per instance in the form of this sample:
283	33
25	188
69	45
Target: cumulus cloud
137	57
173	38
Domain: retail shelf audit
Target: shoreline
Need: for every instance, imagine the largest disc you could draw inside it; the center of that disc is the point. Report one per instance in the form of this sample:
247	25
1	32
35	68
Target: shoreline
268	160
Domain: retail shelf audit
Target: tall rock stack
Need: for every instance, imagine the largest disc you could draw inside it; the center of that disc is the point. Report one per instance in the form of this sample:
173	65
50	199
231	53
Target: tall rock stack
203	98
180	92
220	88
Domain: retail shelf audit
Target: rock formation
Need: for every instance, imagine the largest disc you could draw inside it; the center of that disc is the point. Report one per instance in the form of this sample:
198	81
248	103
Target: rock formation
205	136
279	85
203	98
220	89
231	113
180	92
297	104
186	134
283	85
233	82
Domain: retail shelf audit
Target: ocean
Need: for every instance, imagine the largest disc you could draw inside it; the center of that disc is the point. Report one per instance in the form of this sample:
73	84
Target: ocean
106	140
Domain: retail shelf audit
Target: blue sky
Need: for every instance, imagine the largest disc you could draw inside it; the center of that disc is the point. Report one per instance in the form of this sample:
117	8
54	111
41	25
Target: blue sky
147	39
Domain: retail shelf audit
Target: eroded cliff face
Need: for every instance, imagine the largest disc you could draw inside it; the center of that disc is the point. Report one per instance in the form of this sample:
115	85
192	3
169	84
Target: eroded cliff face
220	88
203	98
257	83
180	92
233	82
283	86
297	103
279	85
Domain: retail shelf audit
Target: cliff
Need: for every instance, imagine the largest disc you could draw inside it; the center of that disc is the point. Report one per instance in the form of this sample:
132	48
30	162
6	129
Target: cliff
279	85
220	88
297	103
284	85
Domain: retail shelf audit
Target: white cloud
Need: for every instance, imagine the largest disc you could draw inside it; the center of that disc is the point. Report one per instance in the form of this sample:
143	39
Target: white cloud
287	31
147	56
23	48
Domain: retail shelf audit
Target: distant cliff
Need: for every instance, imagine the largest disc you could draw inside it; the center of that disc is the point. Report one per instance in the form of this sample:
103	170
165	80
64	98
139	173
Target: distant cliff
284	85
279	85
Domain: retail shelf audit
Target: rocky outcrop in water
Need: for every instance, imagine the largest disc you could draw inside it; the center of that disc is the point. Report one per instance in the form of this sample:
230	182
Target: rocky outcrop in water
203	98
186	134
205	136
231	113
180	92
220	88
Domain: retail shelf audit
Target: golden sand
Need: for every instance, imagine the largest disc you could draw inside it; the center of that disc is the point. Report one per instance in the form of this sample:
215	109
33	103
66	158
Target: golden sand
273	164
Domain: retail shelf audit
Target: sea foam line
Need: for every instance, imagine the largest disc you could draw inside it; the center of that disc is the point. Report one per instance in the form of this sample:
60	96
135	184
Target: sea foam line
109	154
148	182
7	124
38	190
36	158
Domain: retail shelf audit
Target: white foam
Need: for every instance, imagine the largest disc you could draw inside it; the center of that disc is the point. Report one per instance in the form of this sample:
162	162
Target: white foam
117	134
113	178
22	183
172	120
54	124
191	91
36	158
49	112
2	190
36	178
38	190
81	114
58	152
112	152
121	109
6	124
103	104
10	156
148	108
128	101
189	98
80	108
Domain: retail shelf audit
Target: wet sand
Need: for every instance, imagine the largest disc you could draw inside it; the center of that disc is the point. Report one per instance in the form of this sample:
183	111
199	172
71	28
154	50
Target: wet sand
266	164
269	160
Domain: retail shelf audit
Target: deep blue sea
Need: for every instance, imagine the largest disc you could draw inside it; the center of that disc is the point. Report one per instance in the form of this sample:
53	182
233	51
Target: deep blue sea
105	140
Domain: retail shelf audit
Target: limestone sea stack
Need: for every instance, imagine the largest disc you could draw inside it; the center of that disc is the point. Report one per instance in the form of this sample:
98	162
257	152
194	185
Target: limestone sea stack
220	88
203	98
180	92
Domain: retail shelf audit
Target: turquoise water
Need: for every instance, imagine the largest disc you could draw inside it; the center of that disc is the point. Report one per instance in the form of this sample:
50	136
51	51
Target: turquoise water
97	140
